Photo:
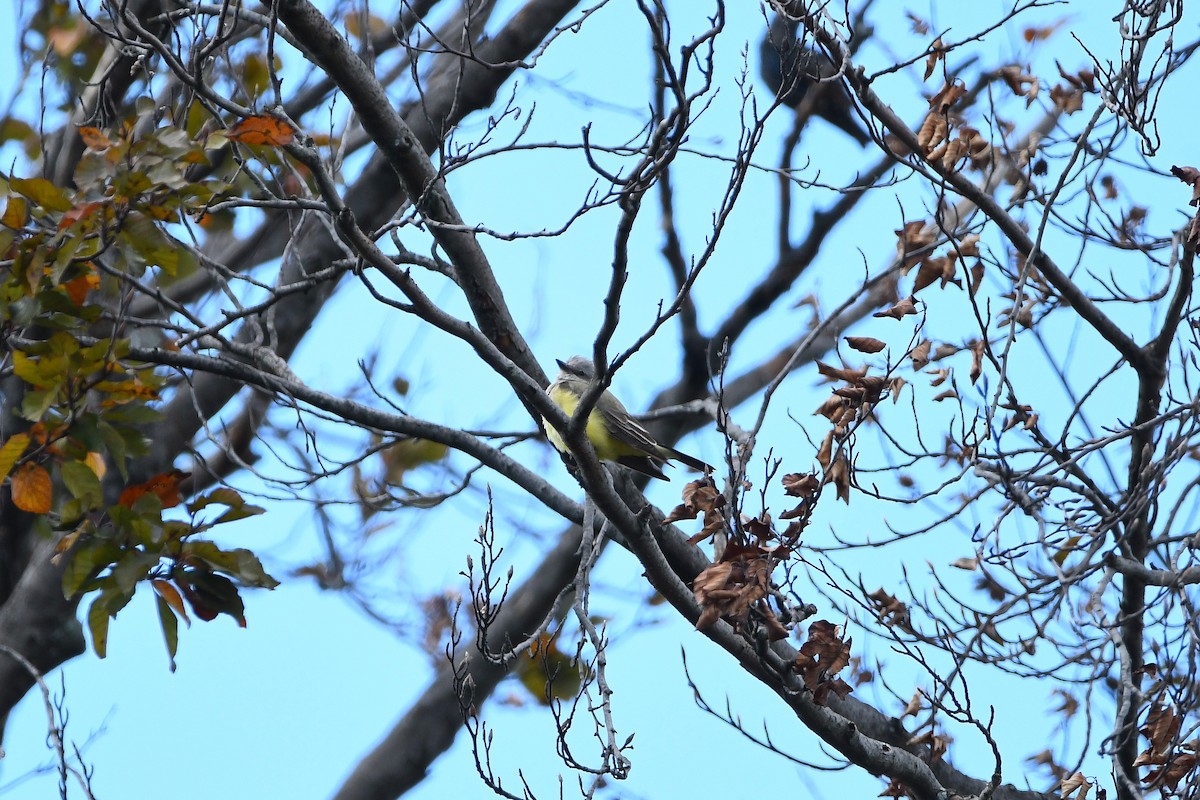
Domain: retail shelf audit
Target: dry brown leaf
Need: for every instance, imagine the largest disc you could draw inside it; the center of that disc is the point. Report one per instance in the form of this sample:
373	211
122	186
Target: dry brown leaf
841	373
977	349
865	344
976	276
936	54
700	497
931	270
920	355
729	588
1075	787
838	474
914	705
1190	176
969	245
1084	80
825	451
800	484
822	656
1066	99
1018	80
888	609
912	242
950	93
833	409
900	310
933	132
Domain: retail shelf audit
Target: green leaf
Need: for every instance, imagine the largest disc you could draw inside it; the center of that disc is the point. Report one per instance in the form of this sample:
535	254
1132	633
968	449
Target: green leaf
104	608
98	624
35	404
155	247
223	495
238	563
132	566
238	508
81	482
242	512
86	562
170	628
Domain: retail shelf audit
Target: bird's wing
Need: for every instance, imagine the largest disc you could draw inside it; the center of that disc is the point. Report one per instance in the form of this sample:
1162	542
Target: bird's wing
628	431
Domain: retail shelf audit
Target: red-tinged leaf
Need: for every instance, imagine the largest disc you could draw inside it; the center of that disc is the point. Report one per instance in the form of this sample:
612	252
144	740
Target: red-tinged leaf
170	595
200	606
263	129
165	486
79	212
11	451
32	489
216	594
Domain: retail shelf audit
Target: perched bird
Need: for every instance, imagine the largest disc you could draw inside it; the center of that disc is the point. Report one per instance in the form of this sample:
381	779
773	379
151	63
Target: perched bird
789	69
614	434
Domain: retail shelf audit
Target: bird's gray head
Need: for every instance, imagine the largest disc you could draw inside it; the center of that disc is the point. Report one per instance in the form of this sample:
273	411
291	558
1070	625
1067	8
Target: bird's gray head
578	367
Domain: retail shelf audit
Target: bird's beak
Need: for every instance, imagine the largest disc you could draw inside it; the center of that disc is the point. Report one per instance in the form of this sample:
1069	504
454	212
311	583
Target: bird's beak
561	364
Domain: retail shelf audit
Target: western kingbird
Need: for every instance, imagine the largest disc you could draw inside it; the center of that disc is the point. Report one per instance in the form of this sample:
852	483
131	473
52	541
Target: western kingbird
614	434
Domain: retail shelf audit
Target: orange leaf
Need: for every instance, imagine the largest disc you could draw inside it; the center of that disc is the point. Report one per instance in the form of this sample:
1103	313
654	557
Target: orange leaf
32	489
263	129
94	138
170	594
165	486
78	288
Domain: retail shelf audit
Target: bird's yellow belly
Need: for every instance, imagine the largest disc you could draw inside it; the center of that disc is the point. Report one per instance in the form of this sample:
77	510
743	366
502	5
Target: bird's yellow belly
607	448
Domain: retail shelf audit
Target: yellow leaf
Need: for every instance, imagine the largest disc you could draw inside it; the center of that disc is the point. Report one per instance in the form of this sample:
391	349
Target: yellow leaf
11	451
16	213
96	462
1065	550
